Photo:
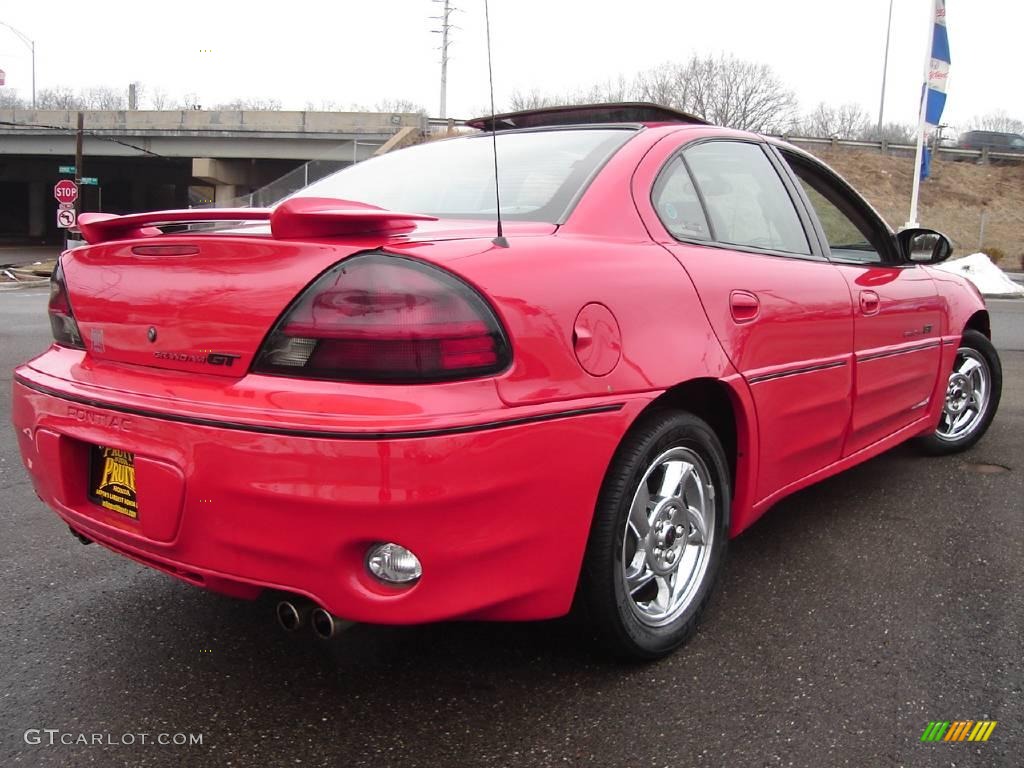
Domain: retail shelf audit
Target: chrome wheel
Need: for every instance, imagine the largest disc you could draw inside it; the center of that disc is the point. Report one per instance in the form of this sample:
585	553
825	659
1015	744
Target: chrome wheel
967	396
669	535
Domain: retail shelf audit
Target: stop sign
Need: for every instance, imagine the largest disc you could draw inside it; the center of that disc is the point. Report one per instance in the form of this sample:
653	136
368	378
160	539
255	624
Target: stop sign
66	191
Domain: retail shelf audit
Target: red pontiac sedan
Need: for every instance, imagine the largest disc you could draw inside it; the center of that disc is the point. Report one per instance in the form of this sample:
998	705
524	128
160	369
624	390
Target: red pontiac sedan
366	401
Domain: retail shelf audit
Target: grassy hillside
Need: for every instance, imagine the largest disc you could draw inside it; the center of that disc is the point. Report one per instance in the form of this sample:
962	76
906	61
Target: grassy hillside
952	199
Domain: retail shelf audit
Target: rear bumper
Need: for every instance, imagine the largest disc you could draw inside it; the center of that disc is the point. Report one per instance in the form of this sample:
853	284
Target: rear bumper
498	514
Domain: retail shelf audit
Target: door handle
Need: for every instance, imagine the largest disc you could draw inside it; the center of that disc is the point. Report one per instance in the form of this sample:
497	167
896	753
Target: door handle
744	305
869	302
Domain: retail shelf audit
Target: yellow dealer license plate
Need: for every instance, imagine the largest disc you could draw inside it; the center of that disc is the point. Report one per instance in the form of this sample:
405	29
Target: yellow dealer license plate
112	480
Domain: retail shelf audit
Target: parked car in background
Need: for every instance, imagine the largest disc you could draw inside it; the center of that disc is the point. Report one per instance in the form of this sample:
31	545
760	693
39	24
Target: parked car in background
367	402
993	141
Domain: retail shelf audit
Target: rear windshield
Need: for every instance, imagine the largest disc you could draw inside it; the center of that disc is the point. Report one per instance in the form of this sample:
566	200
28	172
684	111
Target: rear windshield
542	174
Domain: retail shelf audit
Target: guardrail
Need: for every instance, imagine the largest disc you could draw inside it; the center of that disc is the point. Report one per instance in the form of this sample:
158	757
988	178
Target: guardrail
902	150
437	126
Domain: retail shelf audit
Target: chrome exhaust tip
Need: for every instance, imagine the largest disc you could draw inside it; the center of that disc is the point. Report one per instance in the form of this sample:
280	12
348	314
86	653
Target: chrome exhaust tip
290	616
326	625
323	624
81	537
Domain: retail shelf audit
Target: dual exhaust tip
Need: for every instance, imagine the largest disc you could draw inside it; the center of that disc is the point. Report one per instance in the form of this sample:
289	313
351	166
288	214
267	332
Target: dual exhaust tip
292	616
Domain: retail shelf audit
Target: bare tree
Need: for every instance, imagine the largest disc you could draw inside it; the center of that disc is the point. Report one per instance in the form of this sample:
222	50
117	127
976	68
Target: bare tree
9	99
998	121
739	94
399	106
849	121
58	97
250	105
325	105
482	110
102	97
664	84
608	92
159	99
533	100
723	90
893	133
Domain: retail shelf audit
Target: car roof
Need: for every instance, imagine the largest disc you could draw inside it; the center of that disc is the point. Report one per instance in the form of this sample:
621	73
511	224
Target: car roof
981	132
636	112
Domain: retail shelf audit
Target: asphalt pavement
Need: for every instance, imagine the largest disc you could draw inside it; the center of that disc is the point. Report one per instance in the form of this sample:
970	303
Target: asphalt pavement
850	616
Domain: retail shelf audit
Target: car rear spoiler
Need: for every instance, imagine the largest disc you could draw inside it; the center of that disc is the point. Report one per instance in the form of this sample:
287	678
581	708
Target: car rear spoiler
296	218
585	114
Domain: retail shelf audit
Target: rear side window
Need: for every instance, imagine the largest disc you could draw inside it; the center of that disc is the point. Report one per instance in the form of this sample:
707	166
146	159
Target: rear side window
746	201
542	175
675	199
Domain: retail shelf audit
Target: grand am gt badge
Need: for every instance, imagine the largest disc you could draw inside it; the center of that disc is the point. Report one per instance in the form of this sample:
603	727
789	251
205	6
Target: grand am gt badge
210	358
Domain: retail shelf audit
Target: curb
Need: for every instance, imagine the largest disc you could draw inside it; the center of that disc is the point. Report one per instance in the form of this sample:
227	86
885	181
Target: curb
26	284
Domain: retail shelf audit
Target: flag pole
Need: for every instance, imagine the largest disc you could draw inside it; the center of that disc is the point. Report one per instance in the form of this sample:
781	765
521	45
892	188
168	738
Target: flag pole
912	221
885	70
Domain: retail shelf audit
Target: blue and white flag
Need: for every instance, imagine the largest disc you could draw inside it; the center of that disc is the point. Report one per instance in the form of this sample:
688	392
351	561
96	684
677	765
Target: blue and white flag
938	71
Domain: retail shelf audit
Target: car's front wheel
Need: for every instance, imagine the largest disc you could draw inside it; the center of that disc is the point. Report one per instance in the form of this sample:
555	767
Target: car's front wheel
658	538
972	396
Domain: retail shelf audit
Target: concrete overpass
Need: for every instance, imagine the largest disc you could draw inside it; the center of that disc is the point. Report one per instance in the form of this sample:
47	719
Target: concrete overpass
157	159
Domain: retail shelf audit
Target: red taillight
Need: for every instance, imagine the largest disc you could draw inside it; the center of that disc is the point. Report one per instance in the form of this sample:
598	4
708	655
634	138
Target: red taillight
62	319
386	319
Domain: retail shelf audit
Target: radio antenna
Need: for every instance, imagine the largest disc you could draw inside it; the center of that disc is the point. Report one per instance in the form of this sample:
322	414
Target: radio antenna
500	240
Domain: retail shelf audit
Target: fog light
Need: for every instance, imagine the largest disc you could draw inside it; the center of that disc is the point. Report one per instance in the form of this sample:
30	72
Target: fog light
393	563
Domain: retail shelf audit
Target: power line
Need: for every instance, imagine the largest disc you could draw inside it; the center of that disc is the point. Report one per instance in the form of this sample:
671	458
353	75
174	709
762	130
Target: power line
93	133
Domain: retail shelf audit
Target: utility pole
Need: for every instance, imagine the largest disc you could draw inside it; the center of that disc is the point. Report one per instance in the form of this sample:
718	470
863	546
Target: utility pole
78	163
885	70
446	27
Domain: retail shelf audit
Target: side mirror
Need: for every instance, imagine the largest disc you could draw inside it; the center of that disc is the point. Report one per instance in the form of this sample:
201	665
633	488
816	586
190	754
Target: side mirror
923	246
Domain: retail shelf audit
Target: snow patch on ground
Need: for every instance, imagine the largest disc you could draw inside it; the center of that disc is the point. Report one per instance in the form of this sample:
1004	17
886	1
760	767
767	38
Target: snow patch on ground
980	270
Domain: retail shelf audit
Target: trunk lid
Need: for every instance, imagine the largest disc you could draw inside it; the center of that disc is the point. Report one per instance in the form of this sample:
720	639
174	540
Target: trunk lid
204	302
203	312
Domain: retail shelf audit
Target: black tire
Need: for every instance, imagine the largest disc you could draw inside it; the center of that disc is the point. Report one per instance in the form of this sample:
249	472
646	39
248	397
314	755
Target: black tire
938	444
609	608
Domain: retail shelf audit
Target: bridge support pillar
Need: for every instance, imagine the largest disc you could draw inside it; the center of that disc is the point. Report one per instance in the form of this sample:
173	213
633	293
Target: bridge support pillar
226	176
37	209
224	195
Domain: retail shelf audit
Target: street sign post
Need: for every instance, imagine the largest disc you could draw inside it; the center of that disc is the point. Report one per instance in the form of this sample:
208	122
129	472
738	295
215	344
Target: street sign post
65	191
66	218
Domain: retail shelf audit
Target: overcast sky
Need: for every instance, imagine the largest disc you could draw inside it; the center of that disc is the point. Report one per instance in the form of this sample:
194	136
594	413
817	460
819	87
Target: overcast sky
362	52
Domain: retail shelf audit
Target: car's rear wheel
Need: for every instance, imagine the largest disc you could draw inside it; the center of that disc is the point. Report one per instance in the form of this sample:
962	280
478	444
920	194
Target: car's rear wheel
972	396
659	536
